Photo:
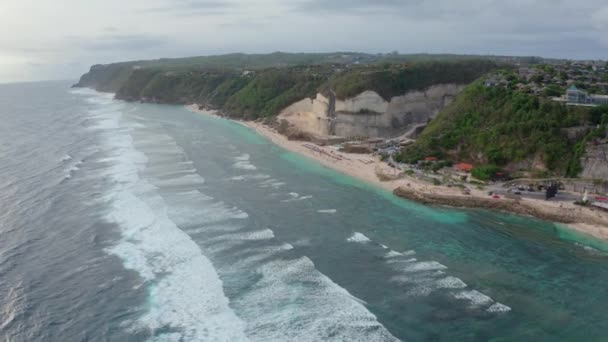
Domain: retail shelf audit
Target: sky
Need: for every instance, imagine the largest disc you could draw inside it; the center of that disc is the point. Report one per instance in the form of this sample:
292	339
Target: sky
61	39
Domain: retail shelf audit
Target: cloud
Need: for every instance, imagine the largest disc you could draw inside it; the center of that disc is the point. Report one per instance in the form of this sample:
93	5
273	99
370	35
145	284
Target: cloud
119	42
193	8
399	8
119	30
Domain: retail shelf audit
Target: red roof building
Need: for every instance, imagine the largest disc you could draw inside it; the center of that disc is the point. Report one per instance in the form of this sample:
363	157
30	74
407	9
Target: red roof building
464	167
431	159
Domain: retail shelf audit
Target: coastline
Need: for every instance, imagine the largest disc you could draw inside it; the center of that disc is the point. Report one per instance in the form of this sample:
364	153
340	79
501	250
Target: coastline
369	168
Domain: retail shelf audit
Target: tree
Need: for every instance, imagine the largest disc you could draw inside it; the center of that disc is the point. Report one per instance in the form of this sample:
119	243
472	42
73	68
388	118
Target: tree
597	113
552	90
538	78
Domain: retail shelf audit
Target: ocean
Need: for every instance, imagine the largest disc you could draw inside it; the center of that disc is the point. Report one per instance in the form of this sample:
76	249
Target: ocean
139	222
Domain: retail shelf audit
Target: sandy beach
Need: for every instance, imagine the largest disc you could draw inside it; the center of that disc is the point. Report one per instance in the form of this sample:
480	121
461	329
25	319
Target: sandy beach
370	169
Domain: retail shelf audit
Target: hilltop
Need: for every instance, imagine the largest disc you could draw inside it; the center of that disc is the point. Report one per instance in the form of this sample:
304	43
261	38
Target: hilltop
110	77
514	122
253	86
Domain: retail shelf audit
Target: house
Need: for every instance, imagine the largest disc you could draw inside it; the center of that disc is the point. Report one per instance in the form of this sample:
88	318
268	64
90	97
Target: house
464	167
574	96
491	82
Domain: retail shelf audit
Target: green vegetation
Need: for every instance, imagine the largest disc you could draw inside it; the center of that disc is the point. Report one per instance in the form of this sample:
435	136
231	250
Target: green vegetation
499	126
485	173
391	80
270	92
244	86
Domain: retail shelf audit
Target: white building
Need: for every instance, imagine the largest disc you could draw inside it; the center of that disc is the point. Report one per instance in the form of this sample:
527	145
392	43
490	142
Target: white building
574	96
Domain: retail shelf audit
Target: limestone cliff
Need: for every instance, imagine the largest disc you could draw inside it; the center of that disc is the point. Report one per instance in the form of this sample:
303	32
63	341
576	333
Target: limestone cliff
368	114
595	162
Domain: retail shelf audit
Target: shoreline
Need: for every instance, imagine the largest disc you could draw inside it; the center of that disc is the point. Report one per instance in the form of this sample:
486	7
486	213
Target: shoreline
369	168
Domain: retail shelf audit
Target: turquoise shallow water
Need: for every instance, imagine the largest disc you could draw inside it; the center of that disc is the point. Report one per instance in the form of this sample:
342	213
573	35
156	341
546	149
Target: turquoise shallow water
553	279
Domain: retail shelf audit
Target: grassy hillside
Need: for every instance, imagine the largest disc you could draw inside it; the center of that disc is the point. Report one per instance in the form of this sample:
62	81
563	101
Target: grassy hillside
111	77
271	91
500	126
391	80
246	95
265	92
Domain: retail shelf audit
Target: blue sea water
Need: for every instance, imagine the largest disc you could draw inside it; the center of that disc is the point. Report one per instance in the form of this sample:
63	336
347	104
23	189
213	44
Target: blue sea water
135	222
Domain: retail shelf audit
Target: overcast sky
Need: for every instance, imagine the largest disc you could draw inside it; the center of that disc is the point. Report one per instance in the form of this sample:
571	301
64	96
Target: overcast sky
60	39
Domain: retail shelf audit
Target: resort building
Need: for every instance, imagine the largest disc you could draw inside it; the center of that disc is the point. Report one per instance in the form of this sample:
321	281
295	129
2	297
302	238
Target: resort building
577	97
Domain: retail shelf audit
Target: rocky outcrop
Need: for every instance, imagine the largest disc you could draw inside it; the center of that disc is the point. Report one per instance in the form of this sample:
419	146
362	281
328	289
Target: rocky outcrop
368	114
564	215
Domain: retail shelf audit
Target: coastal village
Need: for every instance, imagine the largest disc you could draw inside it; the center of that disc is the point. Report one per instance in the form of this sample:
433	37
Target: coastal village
575	83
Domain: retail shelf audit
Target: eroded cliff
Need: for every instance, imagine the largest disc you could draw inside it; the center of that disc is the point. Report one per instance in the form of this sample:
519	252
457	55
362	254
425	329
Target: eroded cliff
595	162
368	114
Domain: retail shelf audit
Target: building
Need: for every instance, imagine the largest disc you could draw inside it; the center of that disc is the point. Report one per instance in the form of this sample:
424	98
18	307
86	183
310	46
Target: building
464	167
574	96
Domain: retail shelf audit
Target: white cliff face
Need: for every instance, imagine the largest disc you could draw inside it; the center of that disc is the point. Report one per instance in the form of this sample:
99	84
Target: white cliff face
595	162
368	114
366	101
309	115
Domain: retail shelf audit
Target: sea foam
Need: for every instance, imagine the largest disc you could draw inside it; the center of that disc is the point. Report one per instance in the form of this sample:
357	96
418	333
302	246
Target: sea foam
359	238
186	299
242	162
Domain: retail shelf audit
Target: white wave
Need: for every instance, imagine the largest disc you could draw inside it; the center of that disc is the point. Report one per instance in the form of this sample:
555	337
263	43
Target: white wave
65	158
421	278
243	163
193	179
327	211
294	196
498	308
478	300
424	266
245	166
185	294
243	157
324	310
475	297
252	257
257	235
392	254
358	238
451	283
395	254
225	228
250	177
290	300
184	284
72	170
271	183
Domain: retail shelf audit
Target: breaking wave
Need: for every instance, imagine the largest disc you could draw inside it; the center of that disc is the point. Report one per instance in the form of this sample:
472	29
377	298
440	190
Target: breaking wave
170	232
182	284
